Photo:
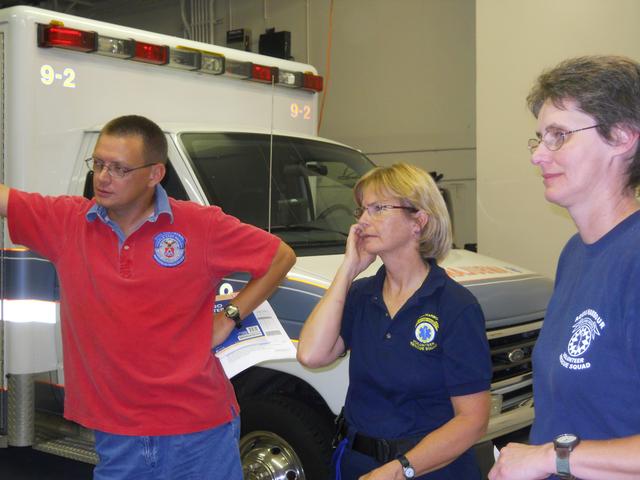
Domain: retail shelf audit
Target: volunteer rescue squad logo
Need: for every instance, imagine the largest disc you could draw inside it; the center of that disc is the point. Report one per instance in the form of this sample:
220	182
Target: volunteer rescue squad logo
425	332
586	327
168	249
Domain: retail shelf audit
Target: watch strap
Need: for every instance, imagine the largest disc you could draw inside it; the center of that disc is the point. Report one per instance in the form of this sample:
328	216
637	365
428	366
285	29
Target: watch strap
563	469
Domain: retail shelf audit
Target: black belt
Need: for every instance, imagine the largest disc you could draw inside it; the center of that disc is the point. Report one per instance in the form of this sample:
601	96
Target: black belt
382	449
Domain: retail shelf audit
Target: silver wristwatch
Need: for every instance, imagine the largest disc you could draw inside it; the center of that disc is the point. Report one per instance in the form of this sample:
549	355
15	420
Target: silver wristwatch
407	469
564	445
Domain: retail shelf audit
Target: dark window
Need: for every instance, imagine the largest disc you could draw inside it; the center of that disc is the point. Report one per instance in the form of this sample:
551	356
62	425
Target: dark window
309	200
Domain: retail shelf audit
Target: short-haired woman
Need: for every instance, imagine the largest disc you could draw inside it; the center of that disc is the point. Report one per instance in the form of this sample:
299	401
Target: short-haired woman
586	363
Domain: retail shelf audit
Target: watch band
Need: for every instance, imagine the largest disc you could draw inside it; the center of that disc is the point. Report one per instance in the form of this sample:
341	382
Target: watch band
563	469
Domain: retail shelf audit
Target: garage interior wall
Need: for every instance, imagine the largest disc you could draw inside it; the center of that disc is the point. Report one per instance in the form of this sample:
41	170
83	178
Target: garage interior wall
402	83
516	40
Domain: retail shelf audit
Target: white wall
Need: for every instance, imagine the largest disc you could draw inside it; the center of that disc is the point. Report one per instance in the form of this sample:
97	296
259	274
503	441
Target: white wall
516	40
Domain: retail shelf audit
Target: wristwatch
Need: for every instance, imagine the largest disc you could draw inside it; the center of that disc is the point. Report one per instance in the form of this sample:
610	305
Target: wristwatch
407	469
232	312
564	445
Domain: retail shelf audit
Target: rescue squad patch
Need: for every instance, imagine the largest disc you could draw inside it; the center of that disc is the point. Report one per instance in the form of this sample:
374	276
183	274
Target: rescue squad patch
586	327
168	249
425	332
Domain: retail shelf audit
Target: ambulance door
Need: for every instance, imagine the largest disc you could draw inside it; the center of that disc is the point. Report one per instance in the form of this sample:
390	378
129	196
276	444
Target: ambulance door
3	384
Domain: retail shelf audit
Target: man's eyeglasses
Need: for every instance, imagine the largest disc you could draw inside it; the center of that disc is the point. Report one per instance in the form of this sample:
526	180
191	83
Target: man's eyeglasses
376	209
554	139
113	169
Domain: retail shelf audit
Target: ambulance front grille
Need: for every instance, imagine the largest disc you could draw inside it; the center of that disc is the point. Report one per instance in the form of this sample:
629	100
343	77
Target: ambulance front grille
511	350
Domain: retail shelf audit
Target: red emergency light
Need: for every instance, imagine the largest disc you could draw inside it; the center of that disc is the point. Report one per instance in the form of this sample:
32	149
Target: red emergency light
312	82
150	53
263	73
63	37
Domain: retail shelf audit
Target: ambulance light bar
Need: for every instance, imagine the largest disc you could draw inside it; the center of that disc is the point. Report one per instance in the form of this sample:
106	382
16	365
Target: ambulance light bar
150	53
116	47
211	63
57	35
237	69
184	59
263	73
312	82
290	79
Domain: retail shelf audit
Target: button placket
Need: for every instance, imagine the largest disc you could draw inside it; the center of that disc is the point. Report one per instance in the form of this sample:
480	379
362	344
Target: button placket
125	261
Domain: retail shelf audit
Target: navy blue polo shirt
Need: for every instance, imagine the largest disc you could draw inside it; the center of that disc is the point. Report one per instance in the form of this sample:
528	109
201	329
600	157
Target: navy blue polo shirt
404	371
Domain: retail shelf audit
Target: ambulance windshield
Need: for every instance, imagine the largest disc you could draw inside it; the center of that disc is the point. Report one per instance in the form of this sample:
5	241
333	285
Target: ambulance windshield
309	203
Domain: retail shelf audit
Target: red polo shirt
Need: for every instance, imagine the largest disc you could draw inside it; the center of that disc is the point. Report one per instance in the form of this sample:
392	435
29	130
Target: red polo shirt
137	318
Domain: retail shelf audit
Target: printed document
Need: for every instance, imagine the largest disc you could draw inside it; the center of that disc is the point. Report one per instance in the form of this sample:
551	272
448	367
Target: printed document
260	338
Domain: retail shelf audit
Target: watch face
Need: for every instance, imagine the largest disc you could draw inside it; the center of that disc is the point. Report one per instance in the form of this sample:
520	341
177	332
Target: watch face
566	438
409	472
231	311
566	441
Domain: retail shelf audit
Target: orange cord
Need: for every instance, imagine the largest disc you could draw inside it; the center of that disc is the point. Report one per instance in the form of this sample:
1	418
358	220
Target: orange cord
328	66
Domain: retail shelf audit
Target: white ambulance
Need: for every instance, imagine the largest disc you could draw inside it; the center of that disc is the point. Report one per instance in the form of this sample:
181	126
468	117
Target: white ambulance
242	134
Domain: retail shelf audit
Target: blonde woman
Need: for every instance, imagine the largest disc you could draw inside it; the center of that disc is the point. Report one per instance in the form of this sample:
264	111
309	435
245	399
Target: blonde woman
419	360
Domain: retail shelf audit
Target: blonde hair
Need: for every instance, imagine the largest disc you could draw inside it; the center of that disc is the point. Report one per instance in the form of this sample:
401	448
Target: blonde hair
414	188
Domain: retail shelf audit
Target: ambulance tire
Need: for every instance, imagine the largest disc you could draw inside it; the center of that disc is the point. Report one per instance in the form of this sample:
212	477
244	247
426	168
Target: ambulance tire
285	427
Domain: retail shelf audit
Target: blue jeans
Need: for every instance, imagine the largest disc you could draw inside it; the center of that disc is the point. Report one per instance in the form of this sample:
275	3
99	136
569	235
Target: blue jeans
209	455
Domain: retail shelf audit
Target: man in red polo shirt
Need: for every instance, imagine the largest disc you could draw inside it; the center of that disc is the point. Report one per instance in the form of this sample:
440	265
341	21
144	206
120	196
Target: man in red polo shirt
138	274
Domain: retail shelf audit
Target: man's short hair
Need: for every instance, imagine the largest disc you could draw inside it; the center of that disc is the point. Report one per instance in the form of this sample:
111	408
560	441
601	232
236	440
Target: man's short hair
153	138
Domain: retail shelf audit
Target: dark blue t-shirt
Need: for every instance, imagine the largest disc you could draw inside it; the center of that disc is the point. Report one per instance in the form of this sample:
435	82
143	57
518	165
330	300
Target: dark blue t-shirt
586	363
403	372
